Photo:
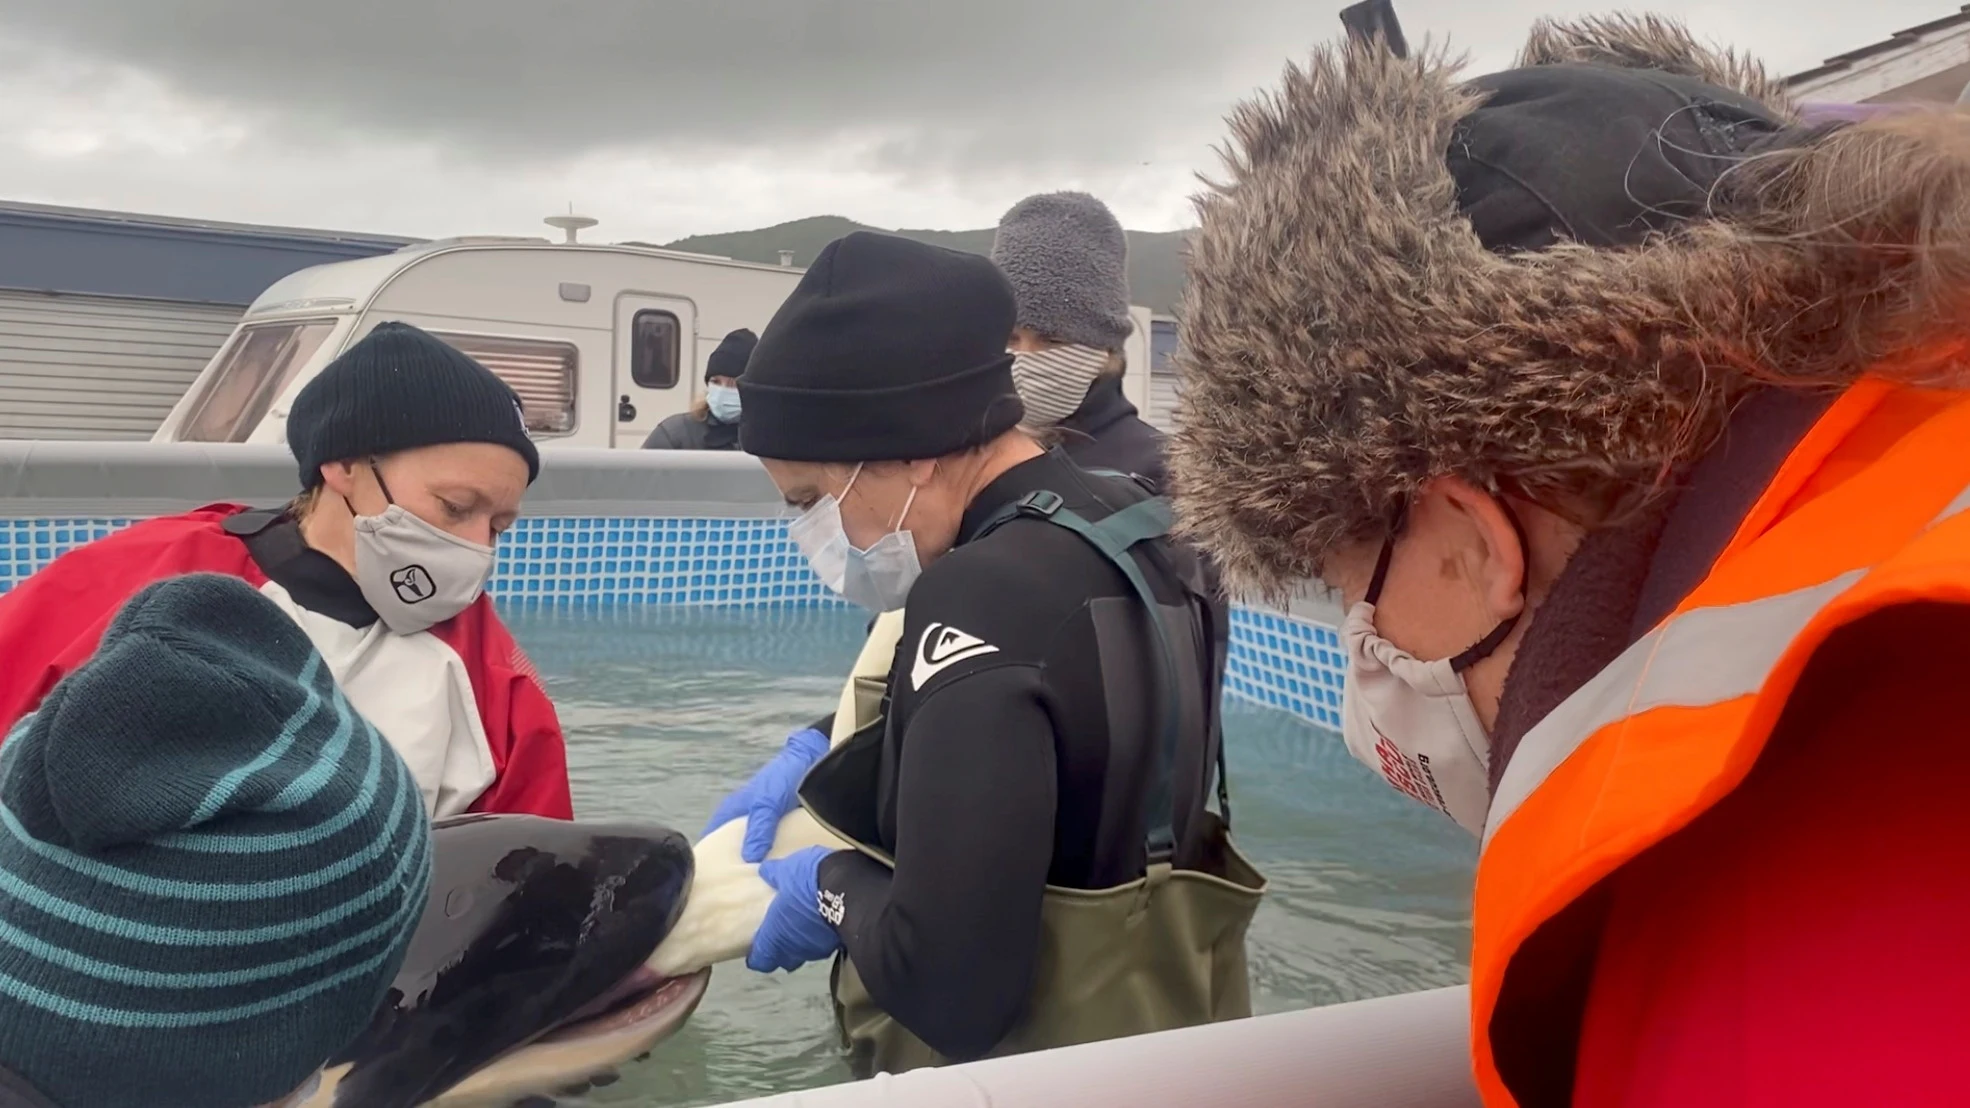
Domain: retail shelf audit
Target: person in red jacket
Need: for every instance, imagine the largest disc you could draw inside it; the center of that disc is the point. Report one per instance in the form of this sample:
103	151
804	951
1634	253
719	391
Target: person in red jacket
413	460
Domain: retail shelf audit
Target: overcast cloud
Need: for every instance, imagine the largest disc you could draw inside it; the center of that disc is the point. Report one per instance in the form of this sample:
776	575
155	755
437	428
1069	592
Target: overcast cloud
671	117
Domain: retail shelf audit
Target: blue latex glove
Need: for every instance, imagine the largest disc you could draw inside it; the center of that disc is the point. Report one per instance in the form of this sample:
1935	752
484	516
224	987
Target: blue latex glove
794	932
770	794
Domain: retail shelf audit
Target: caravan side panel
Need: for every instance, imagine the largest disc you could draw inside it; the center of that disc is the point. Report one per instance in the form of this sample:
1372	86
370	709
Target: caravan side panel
88	367
570	294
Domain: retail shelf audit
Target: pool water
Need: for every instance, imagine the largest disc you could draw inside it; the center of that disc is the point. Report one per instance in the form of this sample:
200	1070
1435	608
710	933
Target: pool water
667	709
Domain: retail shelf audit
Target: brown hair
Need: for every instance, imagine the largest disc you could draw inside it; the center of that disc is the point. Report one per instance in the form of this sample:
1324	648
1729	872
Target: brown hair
299	507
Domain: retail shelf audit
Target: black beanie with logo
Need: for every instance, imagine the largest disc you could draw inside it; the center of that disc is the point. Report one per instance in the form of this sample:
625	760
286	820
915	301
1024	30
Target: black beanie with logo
888	350
398	389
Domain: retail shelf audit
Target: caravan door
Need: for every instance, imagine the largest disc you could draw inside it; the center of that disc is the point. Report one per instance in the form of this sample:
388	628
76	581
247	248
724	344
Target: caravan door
656	364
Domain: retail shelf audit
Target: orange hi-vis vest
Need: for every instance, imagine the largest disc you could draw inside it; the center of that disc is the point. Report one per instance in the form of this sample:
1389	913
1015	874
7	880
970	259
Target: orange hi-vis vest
1867	512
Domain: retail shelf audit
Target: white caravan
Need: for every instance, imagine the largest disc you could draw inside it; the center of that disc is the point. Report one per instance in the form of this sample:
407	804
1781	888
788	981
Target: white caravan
602	342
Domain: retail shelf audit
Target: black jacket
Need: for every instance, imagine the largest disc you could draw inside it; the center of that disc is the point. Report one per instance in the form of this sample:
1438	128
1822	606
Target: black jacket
685	431
1106	433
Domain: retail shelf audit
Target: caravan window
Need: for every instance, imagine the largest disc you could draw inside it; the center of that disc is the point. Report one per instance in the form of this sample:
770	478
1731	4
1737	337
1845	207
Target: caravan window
1163	347
257	367
542	372
655	346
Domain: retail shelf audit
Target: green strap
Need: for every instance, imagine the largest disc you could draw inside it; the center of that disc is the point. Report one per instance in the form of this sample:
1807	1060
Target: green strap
1224	783
1113	535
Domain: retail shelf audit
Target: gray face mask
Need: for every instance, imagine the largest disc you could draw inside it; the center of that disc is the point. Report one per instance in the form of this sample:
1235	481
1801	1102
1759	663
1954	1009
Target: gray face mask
412	573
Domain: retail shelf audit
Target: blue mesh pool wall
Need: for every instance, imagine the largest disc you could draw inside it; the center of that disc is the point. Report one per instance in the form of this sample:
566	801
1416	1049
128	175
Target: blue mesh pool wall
606	529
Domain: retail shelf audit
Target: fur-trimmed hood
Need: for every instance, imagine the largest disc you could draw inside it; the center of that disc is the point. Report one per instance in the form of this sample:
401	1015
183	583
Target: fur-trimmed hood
1346	336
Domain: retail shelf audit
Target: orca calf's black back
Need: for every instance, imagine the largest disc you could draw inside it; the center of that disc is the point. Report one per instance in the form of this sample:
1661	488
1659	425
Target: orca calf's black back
527	972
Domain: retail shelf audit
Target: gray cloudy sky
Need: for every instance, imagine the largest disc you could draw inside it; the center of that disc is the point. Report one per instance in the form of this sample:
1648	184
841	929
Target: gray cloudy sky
670	117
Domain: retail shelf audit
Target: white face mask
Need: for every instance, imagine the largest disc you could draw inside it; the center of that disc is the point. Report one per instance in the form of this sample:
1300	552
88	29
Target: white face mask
1053	383
723	402
1413	721
878	578
412	573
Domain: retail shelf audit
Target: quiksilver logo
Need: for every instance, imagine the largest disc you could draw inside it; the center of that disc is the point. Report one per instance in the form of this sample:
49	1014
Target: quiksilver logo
941	647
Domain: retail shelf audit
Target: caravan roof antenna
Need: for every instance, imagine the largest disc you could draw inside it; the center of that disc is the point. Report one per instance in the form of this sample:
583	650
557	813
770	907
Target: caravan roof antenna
1371	19
570	224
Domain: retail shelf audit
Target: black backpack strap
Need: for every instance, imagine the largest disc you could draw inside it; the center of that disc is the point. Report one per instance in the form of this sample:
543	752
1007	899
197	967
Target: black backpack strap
1224	784
1113	535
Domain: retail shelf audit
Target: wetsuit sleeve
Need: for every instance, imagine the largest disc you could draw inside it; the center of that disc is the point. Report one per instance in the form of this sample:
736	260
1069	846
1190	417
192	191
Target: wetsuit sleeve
947	943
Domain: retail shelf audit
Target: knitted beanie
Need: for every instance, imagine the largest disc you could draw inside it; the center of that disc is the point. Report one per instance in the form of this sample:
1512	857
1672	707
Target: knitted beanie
1067	259
210	865
398	389
888	350
730	359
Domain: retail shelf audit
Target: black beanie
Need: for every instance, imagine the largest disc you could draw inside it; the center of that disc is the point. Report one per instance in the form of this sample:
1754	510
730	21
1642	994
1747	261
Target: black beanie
1596	154
888	350
398	389
730	359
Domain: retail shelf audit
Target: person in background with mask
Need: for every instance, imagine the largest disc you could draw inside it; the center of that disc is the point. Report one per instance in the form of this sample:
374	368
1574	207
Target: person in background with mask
1067	257
1628	414
713	424
211	866
1037	862
413	459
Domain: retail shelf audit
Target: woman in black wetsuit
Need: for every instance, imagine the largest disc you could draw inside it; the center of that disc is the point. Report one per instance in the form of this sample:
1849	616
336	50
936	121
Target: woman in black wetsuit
1036	863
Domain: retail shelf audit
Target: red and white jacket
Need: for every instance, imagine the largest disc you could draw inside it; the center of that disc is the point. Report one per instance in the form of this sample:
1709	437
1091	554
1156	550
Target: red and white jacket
460	702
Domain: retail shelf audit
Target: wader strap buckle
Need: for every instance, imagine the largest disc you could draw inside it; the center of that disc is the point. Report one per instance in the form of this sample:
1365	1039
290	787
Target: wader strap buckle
1042	503
1153	878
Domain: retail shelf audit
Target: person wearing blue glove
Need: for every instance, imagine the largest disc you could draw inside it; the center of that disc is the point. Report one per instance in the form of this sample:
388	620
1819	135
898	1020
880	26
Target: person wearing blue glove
770	794
800	926
1035	861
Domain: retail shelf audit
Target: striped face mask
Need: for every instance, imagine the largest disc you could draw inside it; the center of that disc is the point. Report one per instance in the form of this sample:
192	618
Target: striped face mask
1052	383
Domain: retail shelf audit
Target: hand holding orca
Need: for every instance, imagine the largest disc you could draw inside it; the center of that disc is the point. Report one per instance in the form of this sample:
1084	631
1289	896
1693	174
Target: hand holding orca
770	794
793	932
729	901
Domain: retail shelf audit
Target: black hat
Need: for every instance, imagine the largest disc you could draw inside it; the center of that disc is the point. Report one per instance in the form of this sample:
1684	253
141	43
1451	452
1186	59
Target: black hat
1595	154
888	350
398	389
730	359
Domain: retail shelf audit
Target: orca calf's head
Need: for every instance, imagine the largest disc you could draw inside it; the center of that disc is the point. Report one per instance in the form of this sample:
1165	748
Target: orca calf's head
527	974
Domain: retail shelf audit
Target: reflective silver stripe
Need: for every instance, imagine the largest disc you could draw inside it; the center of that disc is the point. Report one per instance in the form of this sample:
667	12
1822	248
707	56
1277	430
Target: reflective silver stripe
1704	656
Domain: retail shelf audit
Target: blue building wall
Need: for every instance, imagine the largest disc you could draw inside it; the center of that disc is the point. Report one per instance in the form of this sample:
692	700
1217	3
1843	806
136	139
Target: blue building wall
73	250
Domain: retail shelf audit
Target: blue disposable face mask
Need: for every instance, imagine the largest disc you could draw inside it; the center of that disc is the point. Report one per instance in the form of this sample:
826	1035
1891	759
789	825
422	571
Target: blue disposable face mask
723	402
878	578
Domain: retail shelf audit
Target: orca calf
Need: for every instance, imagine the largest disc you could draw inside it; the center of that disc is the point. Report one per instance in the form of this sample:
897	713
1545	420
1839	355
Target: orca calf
527	974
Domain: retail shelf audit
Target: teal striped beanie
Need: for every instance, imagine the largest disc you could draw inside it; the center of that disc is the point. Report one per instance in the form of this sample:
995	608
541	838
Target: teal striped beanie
210	865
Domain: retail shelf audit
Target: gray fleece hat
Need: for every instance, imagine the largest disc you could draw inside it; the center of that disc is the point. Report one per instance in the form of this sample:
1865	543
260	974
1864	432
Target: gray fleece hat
1067	259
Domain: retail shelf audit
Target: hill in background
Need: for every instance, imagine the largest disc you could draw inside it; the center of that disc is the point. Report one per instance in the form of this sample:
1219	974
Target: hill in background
1155	258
